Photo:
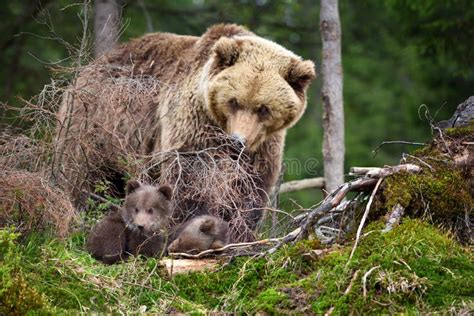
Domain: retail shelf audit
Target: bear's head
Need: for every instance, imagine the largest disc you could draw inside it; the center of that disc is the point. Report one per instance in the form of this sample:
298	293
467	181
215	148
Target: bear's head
147	209
253	87
200	233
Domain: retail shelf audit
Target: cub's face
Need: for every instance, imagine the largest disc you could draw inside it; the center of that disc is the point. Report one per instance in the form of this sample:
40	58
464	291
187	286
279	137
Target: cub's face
147	208
254	87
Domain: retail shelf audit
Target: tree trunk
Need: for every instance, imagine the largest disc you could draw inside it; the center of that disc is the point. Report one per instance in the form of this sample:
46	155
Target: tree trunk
333	111
106	26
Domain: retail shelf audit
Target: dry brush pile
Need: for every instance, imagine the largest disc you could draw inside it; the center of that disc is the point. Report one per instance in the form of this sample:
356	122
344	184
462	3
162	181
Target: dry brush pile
93	148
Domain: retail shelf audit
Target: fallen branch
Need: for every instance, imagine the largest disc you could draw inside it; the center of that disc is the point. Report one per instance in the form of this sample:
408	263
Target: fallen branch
226	247
373	172
372	177
354	277
364	217
398	142
364	280
331	201
297	185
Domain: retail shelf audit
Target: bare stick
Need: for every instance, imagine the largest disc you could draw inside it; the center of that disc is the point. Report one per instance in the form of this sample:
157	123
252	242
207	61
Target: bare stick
418	159
364	217
360	171
399	142
99	198
229	246
364	280
297	185
354	277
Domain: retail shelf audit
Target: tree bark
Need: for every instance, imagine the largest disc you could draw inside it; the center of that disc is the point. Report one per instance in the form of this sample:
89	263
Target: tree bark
333	111
106	25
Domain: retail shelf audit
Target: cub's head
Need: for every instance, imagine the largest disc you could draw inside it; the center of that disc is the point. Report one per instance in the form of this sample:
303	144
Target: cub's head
253	87
147	208
197	235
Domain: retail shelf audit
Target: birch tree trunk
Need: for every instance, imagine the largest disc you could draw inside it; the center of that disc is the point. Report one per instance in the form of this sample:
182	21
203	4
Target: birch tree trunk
106	25
333	110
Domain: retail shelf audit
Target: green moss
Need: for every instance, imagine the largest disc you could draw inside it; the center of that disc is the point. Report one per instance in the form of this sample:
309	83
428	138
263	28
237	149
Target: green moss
419	269
17	297
461	132
269	301
442	193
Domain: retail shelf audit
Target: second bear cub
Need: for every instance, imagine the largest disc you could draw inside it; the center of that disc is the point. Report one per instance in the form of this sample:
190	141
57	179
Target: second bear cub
200	233
137	228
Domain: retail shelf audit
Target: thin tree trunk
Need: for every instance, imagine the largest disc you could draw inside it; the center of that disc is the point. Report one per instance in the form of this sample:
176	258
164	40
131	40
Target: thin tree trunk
333	110
106	25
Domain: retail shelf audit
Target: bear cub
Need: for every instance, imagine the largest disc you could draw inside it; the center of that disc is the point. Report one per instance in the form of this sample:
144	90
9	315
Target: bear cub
200	233
139	227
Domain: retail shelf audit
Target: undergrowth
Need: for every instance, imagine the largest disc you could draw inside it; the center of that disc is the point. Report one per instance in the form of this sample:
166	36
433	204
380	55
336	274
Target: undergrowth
415	267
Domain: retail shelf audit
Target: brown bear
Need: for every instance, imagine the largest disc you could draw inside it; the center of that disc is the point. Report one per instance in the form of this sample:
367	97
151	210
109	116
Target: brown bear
164	92
200	233
140	227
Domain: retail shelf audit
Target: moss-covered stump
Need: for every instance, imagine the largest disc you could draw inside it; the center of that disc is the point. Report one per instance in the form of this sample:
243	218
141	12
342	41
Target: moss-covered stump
415	267
443	191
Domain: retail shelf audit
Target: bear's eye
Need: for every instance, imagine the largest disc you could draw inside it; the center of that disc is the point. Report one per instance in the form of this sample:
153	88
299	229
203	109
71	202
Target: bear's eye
136	210
263	111
233	105
150	211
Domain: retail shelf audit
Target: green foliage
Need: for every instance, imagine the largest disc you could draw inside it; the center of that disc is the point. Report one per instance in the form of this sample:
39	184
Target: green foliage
417	269
444	192
17	296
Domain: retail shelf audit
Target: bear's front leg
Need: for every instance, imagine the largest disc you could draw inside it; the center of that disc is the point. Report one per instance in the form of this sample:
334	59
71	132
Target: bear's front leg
107	240
150	246
267	160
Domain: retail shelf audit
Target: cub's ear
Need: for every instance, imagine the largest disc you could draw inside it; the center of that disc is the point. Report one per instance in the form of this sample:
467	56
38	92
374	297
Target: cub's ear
207	226
132	185
226	52
300	75
166	191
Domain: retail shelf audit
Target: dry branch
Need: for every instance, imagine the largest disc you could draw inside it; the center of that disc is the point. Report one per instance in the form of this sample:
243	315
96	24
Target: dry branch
364	217
297	185
373	172
226	247
371	177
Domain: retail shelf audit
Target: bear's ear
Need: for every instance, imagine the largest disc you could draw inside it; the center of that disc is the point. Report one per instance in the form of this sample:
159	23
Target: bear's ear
166	191
207	226
300	75
226	52
132	185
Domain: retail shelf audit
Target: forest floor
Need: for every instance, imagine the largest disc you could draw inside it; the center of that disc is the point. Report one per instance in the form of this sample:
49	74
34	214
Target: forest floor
420	266
414	267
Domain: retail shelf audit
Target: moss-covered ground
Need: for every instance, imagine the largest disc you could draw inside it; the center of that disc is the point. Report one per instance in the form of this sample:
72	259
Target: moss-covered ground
414	268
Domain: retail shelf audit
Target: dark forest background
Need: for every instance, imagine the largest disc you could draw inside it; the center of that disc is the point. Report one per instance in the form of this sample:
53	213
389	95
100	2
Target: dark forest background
397	55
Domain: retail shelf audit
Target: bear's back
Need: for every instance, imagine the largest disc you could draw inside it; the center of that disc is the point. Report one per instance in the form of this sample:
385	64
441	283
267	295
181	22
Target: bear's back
156	54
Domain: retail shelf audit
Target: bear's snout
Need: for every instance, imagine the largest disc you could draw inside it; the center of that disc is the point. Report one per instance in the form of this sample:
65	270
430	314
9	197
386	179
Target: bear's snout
244	127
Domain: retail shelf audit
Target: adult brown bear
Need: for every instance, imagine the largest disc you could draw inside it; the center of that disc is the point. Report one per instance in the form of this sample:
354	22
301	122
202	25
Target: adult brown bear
165	92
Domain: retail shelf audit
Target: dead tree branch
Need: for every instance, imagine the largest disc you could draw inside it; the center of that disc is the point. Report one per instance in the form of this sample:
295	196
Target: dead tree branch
297	185
371	177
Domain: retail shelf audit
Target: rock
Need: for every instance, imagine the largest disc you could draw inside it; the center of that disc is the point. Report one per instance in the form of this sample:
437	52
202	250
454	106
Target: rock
463	115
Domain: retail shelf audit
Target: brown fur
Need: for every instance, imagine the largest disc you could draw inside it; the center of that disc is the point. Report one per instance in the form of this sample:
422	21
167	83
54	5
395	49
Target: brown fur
138	228
200	233
228	78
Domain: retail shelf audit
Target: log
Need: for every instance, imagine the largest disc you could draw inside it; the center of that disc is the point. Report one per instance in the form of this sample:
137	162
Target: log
297	185
375	172
177	266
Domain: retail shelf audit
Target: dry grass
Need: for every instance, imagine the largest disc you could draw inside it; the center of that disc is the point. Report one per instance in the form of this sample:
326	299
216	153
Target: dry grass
30	203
